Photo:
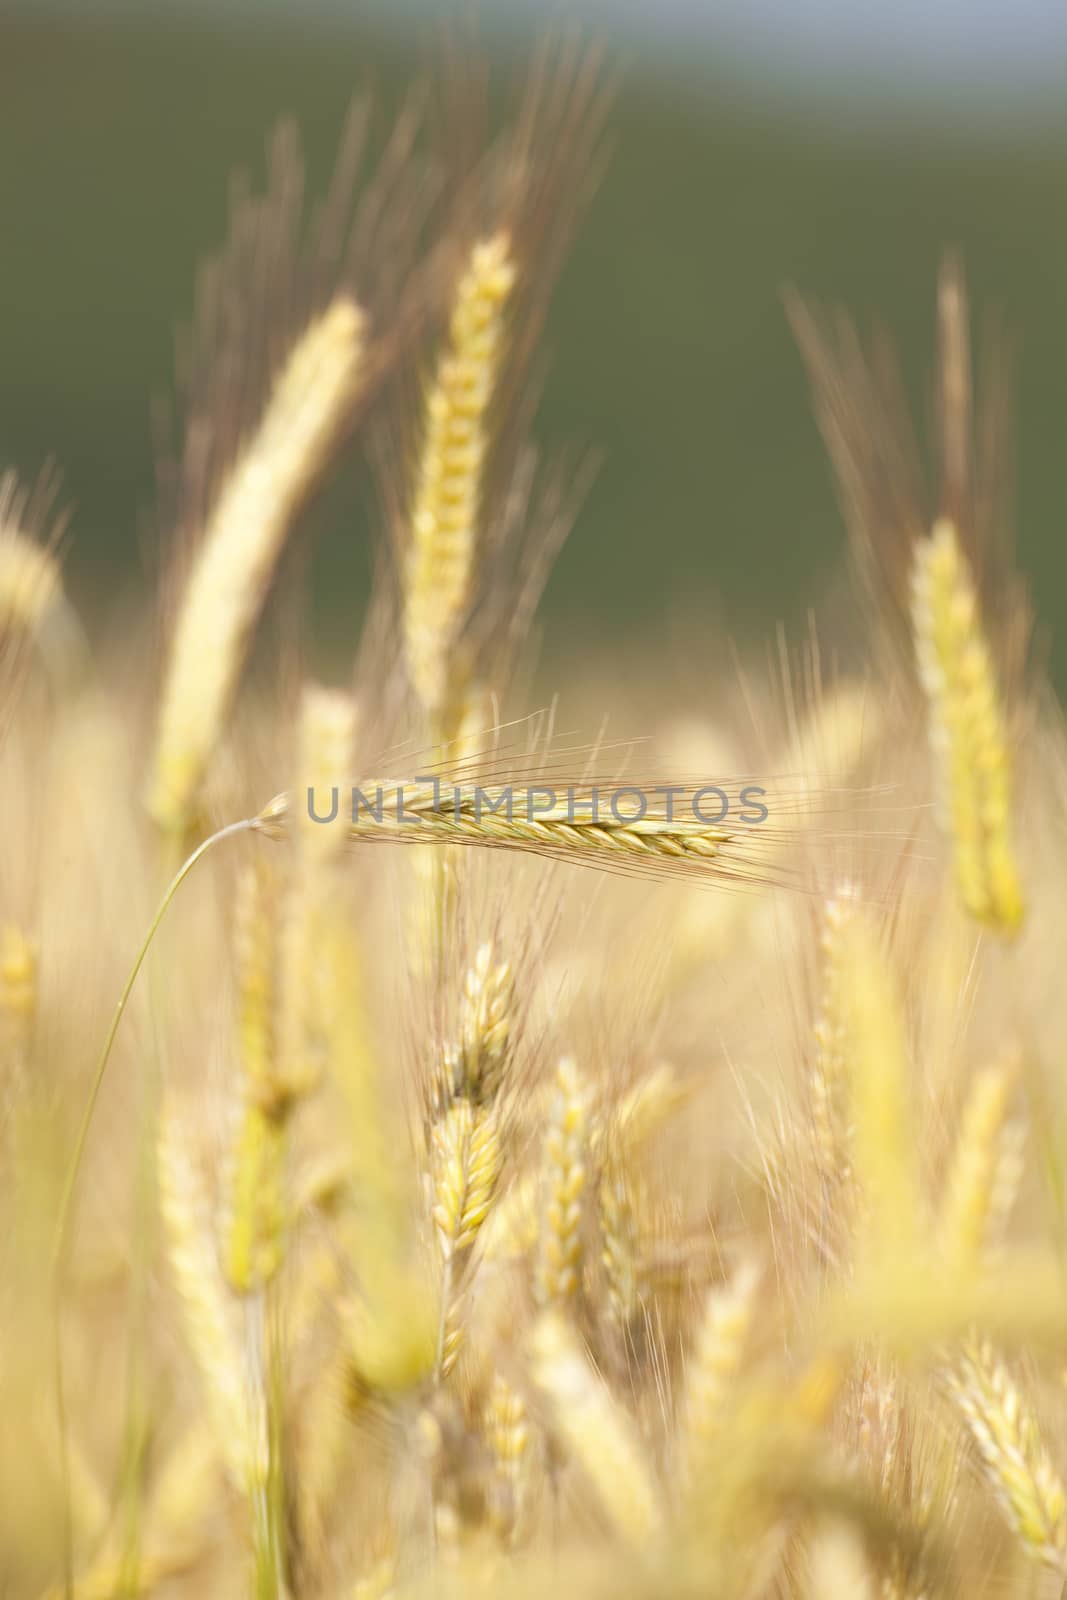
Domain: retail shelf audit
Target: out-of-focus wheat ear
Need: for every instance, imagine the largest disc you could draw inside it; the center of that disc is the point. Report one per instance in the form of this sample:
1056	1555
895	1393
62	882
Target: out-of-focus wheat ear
618	1209
308	407
837	1567
644	1108
967	731
597	1433
18	1006
972	1201
507	1432
33	605
235	1400
325	746
1015	1461
379	1581
444	530
829	1075
711	1374
325	749
256	1211
558	1266
324	1431
391	1324
184	1492
466	1166
883	1141
512	1227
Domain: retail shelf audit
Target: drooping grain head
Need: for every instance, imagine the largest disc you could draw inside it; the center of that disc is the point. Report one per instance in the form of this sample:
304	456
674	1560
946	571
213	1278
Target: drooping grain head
308	406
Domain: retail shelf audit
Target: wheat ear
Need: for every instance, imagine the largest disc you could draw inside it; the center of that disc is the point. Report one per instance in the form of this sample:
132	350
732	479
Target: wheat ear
256	1220
507	1432
634	1118
327	728
466	1166
1014	1459
967	732
829	1077
557	1272
972	1199
883	1143
307	407
838	1569
18	1003
597	1433
577	829
712	1371
29	579
447	504
474	1067
620	1242
32	600
392	1326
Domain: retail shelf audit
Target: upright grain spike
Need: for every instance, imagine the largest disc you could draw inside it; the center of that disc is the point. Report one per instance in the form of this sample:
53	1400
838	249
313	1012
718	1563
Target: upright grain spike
712	1370
829	1078
466	1165
883	1141
257	1208
447	504
325	743
967	731
970	1201
563	1173
507	1431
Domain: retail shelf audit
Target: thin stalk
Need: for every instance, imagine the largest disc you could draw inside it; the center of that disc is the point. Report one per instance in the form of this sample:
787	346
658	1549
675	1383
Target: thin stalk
62	1233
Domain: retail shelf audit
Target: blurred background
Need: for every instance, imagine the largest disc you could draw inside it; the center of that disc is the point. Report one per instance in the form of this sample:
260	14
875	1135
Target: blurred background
757	144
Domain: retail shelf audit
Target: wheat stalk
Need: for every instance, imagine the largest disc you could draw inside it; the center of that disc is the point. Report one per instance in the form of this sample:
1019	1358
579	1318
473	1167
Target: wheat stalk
308	405
967	732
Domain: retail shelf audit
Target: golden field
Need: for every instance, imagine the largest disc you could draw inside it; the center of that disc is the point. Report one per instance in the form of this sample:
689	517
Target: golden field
579	1199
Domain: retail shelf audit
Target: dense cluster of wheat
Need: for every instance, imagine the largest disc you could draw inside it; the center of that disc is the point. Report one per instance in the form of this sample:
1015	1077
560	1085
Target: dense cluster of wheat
453	1219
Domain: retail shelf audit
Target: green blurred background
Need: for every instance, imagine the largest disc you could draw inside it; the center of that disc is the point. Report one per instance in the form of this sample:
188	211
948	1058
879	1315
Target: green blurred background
845	171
